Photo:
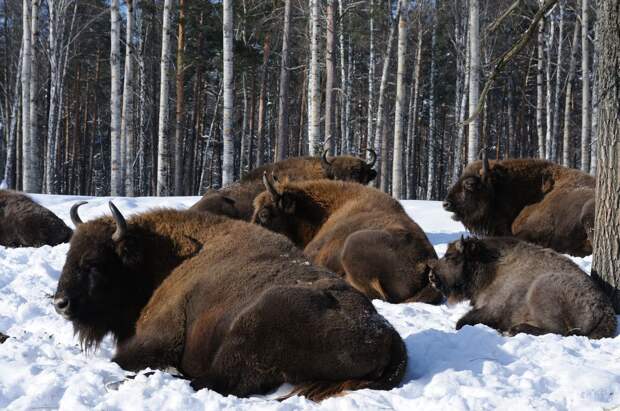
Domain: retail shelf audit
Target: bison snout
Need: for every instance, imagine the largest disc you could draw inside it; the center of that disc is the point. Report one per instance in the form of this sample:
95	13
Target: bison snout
62	306
448	206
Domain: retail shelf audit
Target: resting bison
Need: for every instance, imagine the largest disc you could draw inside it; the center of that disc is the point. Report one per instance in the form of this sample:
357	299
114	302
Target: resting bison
357	231
518	287
534	200
235	201
24	223
232	306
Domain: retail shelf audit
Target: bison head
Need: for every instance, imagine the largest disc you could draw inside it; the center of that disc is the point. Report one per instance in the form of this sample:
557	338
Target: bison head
347	168
472	197
275	209
99	289
218	203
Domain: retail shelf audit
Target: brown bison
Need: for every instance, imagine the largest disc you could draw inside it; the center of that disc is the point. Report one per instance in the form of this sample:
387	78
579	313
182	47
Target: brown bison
534	200
356	231
232	306
518	287
235	201
24	223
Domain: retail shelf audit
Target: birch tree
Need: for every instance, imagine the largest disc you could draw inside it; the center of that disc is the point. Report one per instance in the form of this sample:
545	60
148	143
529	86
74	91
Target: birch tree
127	115
558	80
329	76
28	172
539	89
461	102
549	88
163	142
260	138
568	101
282	140
474	78
345	95
314	96
397	162
36	156
371	67
585	89
432	166
228	167
179	129
116	184
413	116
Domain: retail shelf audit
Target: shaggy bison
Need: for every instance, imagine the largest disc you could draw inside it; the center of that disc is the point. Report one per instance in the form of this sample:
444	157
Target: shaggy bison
24	223
235	201
357	231
534	200
518	287
232	306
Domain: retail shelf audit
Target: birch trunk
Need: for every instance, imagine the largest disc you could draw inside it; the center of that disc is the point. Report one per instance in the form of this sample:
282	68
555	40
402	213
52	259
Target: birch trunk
127	115
558	78
116	181
595	103
549	88
314	113
163	142
329	77
539	90
11	149
244	126
568	102
283	134
430	190
228	162
143	177
260	138
397	161
606	257
413	117
371	71
28	172
585	89
474	78
179	129
36	157
461	103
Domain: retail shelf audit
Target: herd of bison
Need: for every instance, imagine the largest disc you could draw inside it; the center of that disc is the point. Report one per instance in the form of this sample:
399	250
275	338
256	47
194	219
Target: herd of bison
270	280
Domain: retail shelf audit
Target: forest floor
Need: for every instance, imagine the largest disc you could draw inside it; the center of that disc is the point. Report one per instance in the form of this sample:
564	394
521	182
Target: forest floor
42	366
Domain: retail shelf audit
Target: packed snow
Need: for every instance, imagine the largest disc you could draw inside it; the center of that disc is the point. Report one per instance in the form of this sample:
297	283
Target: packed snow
42	366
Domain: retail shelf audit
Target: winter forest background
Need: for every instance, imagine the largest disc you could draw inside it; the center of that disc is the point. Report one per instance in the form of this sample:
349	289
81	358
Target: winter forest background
143	97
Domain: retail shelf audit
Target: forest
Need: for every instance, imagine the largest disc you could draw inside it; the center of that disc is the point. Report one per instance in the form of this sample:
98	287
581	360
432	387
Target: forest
162	97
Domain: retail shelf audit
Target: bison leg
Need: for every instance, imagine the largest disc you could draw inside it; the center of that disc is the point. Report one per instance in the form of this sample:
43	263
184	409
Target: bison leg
478	316
526	328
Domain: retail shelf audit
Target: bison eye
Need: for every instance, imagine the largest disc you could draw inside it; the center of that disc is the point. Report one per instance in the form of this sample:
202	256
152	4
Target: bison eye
263	215
470	184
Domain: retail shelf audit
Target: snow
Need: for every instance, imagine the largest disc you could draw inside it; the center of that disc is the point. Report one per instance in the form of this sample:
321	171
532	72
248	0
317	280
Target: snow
42	367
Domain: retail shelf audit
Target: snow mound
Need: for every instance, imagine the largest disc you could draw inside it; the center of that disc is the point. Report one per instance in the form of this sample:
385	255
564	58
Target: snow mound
42	366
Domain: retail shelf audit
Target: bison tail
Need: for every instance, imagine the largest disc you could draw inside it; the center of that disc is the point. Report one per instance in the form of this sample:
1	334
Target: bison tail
390	377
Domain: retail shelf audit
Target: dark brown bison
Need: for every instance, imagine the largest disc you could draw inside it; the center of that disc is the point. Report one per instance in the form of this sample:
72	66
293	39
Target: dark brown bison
3	338
518	287
357	231
235	201
24	223
534	200
232	306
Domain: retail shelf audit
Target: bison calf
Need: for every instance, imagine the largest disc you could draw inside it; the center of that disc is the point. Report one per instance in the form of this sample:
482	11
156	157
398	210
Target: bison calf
24	223
517	287
534	200
232	306
235	201
357	231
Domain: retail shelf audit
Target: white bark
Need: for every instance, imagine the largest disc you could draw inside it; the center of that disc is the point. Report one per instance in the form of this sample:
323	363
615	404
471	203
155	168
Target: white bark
595	103
431	120
329	143
397	162
28	173
549	88
116	184
371	72
36	155
539	90
228	167
314	119
572	66
474	78
163	141
11	149
127	115
558	78
461	101
283	134
413	117
585	89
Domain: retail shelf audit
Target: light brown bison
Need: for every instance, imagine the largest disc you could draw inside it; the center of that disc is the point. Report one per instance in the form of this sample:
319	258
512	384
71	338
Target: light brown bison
357	231
232	306
235	201
24	223
518	287
534	200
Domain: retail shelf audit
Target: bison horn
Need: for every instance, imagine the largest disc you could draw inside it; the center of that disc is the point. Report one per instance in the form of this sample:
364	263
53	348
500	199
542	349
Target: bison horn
75	218
324	160
121	224
485	162
270	188
373	154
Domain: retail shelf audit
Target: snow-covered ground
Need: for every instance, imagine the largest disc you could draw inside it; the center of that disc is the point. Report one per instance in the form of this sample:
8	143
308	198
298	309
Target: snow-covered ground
42	367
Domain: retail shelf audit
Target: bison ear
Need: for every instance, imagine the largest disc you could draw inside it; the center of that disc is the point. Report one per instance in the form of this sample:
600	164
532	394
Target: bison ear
129	251
229	200
372	174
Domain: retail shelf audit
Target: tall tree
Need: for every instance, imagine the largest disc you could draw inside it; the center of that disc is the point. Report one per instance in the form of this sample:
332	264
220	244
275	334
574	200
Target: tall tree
568	101
606	257
36	157
558	76
539	89
116	184
314	94
432	144
371	69
28	172
260	129
228	164
585	88
397	161
163	142
179	129
283	134
474	77
127	115
330	34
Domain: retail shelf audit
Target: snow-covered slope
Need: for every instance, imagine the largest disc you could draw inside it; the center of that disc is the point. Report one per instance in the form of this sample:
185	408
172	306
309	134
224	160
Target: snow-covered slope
42	367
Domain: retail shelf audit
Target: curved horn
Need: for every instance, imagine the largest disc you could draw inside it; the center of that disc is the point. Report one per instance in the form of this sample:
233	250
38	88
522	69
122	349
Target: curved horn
485	161
373	154
121	224
270	188
75	218
324	159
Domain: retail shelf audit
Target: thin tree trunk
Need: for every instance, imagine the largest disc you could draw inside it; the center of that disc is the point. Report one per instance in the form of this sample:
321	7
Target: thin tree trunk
585	89
539	90
35	140
594	129
116	181
127	115
461	103
474	78
28	172
568	102
397	161
558	78
12	147
283	128
329	77
179	129
549	88
432	166
371	72
314	109
163	142
228	162
260	138
413	117
143	177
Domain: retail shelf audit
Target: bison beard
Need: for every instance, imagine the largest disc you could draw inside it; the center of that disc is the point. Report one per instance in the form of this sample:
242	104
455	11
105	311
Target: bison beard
229	316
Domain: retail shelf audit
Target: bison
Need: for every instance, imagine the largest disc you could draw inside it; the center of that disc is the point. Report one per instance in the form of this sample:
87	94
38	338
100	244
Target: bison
356	231
516	287
235	201
534	200
24	223
232	306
